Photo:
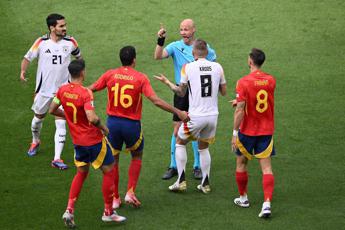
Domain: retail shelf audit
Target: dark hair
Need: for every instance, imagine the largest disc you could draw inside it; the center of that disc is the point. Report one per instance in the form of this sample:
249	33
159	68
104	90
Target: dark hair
127	55
200	47
53	18
258	56
76	67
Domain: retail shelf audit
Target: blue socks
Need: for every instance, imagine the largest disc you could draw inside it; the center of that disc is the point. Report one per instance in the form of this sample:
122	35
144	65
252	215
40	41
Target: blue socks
196	155
195	151
172	148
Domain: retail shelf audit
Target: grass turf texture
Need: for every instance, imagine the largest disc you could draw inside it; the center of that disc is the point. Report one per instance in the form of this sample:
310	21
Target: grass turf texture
304	43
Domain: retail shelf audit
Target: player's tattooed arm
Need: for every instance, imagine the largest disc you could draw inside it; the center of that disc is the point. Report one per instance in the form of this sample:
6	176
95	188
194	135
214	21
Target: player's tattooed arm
180	90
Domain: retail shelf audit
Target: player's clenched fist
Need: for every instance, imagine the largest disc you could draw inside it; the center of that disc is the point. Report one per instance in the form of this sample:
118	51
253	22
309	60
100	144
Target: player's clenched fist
162	32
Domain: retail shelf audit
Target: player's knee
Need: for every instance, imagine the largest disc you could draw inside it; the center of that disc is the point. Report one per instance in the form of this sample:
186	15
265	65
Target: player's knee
241	164
180	146
40	116
267	170
203	151
107	168
137	155
202	145
180	141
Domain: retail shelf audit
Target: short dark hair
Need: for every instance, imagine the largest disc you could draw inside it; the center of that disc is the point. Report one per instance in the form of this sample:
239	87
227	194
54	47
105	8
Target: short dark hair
53	18
200	47
76	67
258	56
127	55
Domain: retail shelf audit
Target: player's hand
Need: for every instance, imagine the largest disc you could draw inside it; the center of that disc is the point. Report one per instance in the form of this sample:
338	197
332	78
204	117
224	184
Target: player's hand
233	144
183	115
233	102
22	77
162	78
105	130
162	32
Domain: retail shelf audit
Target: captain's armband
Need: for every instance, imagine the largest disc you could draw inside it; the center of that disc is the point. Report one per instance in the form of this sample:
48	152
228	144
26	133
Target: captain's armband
56	101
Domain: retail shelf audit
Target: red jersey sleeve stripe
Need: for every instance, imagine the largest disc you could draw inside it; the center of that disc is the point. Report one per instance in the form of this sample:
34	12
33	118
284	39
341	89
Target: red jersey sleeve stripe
75	43
36	44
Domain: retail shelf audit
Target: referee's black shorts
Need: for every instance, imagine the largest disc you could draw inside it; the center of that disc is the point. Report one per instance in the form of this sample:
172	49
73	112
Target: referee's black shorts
181	103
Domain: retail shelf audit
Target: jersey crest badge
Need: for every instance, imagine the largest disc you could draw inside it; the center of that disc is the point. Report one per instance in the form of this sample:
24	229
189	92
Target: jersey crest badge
65	49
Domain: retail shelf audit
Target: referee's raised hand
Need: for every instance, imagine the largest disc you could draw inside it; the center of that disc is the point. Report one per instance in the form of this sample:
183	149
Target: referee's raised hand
162	31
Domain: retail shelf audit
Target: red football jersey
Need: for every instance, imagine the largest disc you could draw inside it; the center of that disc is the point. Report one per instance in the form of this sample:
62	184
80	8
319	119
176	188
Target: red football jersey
75	99
257	90
125	86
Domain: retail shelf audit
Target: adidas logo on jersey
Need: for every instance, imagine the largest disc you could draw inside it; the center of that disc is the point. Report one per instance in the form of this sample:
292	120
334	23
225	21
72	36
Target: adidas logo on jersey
48	51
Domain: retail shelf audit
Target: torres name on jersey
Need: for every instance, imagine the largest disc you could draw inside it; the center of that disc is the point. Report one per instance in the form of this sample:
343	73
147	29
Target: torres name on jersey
257	90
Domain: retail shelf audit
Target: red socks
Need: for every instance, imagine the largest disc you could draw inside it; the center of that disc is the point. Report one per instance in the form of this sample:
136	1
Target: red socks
133	174
108	190
116	181
268	186
75	189
242	181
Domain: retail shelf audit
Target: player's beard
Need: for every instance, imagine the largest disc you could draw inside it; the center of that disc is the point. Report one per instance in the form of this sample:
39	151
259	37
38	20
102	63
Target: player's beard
62	34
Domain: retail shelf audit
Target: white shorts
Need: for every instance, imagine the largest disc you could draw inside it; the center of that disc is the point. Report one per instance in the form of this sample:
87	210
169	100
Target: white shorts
199	128
41	104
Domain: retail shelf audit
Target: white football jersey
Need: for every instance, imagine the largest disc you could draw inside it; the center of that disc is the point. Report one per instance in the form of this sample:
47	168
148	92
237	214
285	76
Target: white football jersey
203	78
53	60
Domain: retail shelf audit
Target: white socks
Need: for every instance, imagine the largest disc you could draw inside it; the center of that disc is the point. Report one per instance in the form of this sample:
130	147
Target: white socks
266	204
244	198
60	137
181	159
36	126
205	164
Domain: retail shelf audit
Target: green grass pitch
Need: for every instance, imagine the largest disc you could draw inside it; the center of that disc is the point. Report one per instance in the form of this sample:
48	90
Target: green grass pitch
304	42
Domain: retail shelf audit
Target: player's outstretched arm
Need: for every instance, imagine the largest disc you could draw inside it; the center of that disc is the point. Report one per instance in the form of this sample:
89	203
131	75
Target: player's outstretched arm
179	90
233	102
54	109
96	121
23	67
238	117
169	108
92	88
